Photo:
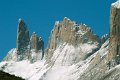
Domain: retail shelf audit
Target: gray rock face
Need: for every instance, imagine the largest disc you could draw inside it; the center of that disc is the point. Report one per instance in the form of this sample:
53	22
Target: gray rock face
23	39
70	32
34	42
37	43
41	46
114	49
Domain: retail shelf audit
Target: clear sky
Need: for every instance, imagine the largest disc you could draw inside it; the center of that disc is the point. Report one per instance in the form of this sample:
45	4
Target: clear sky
40	16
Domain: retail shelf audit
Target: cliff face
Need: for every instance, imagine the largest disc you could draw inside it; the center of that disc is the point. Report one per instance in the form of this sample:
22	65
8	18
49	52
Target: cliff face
37	46
36	43
114	49
22	44
68	31
22	36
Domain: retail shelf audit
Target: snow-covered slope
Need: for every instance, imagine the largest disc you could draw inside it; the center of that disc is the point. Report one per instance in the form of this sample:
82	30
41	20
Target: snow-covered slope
24	68
74	52
72	49
12	55
33	55
66	64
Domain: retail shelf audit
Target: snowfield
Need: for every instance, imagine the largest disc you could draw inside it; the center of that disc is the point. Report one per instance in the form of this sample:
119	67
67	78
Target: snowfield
66	64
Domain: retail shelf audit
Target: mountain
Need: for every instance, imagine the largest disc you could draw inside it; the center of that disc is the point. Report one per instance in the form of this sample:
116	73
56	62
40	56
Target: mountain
74	52
67	32
26	48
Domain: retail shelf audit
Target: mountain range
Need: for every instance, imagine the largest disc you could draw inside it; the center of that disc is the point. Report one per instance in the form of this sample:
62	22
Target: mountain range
74	52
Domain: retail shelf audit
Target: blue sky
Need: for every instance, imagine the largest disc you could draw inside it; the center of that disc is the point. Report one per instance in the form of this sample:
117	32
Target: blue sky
40	16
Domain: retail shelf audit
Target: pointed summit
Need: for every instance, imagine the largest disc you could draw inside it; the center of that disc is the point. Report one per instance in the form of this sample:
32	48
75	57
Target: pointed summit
114	48
66	19
20	19
68	31
22	37
36	43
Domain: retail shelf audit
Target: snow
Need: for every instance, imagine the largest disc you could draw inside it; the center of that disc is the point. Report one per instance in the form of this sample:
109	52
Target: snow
116	4
66	63
39	74
23	68
57	22
104	36
68	55
80	32
88	48
20	19
12	55
35	56
66	72
104	49
84	24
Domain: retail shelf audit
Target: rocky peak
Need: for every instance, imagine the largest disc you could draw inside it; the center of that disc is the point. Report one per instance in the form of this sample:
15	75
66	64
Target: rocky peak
36	47
36	43
68	31
114	48
22	37
26	48
66	20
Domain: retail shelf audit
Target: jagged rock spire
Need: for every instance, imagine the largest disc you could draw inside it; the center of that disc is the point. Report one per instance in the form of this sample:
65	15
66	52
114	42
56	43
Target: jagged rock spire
68	31
22	36
114	48
26	48
22	44
36	42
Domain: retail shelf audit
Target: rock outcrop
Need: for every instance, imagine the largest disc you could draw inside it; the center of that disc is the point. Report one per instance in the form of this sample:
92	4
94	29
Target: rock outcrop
68	31
36	42
114	49
22	45
26	48
41	45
